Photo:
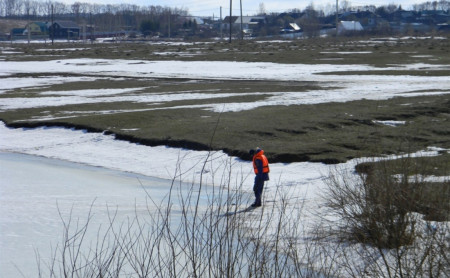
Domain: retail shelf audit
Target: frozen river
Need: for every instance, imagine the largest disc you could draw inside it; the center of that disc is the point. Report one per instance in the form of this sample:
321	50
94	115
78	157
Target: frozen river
33	190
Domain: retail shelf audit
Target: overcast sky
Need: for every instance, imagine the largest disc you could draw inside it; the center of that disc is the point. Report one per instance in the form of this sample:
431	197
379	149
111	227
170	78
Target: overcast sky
250	7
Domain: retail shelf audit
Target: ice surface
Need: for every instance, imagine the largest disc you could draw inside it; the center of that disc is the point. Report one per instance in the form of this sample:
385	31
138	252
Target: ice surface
34	190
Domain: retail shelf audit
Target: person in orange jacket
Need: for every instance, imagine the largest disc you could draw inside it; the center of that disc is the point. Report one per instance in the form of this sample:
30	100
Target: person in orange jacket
261	169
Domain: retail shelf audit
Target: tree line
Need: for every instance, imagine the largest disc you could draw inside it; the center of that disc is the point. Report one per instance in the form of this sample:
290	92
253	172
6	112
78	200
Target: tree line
29	9
168	21
104	17
32	9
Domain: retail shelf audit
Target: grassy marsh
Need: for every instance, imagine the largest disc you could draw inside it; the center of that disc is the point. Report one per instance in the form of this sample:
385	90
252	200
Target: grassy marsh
327	132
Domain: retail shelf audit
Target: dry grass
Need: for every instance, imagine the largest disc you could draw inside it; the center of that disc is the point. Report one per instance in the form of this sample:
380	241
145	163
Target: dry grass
329	132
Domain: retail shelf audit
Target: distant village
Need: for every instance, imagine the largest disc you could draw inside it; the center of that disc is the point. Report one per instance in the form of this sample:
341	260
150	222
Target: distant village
166	23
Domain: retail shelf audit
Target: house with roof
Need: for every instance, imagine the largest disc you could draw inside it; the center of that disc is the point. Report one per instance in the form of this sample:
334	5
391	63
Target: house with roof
36	29
443	27
198	20
434	16
17	33
64	30
291	28
349	26
194	25
249	23
367	19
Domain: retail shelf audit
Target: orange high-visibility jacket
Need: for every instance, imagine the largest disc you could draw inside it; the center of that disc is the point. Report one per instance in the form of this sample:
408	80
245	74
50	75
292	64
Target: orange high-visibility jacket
265	163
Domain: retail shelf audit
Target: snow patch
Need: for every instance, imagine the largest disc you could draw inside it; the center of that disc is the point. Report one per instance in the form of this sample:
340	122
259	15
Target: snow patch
390	123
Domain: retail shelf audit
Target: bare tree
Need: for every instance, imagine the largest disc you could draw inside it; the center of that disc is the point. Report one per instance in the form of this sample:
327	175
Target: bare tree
310	22
262	9
27	7
10	7
76	10
344	5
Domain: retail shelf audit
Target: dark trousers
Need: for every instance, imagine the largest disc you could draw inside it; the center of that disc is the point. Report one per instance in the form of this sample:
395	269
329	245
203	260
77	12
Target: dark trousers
258	189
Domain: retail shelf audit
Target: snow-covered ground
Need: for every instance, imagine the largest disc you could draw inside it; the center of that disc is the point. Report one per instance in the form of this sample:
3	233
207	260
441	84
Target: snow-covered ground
346	87
29	197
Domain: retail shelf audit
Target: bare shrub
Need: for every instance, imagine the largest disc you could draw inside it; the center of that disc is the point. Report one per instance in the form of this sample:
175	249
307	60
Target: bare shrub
202	231
186	237
377	211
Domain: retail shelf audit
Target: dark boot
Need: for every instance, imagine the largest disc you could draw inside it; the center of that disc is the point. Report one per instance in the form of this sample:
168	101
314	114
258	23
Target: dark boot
257	202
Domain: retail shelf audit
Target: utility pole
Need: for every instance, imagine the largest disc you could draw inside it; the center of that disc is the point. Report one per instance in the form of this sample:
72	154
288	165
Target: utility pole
92	28
337	17
221	35
242	30
29	31
53	27
169	23
231	14
84	32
